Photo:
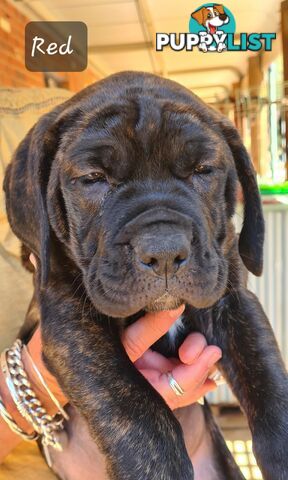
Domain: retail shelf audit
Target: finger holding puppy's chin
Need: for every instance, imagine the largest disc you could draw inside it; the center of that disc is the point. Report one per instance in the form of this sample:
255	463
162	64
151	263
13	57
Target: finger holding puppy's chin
138	337
141	335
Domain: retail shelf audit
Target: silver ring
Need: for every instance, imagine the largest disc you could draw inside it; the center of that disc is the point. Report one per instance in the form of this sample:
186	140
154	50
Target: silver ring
174	385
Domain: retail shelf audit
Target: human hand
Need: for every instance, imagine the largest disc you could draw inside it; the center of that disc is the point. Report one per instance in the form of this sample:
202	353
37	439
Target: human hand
196	359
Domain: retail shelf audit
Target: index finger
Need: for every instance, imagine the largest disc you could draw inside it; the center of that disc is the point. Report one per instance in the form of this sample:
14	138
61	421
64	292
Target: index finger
139	336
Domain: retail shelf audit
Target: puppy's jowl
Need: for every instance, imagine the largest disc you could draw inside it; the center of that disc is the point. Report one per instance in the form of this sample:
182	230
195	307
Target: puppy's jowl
129	189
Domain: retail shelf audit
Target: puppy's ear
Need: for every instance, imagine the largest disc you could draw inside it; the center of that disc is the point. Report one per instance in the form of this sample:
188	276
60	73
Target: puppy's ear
25	187
219	8
251	238
198	16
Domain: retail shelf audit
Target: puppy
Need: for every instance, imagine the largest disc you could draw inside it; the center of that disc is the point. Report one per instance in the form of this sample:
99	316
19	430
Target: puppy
125	194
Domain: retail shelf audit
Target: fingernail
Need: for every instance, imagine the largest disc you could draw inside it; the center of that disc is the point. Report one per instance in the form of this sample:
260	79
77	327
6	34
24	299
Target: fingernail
214	358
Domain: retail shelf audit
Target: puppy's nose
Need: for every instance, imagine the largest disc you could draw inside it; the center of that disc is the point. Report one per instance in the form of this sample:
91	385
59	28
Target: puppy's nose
223	16
162	256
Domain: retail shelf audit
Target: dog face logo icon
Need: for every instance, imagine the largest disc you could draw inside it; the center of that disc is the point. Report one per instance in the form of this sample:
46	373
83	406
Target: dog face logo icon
211	17
212	22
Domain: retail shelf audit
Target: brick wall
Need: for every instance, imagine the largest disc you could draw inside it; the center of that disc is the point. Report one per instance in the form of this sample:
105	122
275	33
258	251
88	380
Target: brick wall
78	80
12	55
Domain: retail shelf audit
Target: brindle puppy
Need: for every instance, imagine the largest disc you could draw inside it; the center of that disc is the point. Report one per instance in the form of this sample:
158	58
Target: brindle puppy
126	194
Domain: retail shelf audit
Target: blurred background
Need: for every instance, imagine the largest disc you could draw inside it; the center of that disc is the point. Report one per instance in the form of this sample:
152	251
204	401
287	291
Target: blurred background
247	87
250	88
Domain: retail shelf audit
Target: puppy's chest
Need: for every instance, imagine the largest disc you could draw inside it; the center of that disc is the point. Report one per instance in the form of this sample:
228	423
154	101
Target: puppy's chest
169	344
175	331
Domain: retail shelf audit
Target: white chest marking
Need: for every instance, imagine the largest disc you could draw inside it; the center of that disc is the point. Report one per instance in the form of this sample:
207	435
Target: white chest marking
174	330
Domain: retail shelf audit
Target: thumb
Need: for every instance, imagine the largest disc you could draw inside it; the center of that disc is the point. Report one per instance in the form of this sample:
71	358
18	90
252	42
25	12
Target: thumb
139	336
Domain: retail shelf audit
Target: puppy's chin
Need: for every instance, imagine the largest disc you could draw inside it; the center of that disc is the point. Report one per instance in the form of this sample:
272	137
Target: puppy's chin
165	302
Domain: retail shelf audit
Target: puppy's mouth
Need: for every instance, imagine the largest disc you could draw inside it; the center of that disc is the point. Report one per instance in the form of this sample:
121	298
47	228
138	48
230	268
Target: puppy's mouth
164	302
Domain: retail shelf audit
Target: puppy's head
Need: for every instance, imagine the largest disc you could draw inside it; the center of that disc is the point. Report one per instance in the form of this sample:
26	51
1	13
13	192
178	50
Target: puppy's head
135	178
211	17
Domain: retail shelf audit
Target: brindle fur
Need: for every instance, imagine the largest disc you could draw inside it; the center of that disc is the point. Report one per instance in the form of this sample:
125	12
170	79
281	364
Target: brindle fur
149	135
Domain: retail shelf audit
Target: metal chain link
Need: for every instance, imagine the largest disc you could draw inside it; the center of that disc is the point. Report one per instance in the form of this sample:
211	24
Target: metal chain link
27	403
13	425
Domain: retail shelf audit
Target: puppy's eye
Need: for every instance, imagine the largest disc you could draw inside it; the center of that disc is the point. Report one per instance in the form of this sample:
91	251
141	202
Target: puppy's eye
203	170
209	15
93	177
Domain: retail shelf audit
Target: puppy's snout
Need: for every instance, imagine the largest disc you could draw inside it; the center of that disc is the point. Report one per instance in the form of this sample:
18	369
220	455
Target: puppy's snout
162	256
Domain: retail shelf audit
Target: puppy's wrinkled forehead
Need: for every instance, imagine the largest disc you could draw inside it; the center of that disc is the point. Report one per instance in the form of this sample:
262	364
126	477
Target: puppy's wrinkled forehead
141	136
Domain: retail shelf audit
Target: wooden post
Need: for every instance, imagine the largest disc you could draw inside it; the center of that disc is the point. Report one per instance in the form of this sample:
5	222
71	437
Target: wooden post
284	27
255	77
238	119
